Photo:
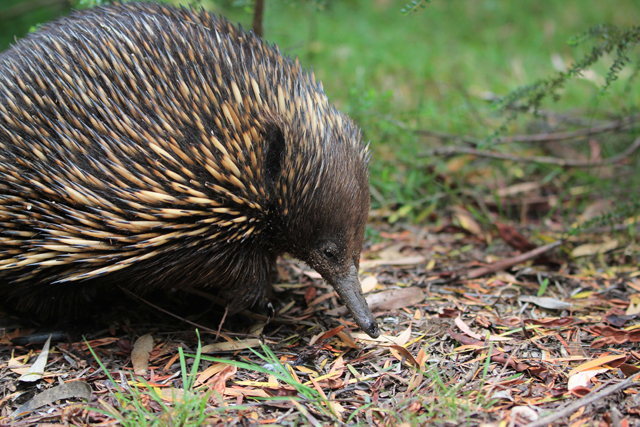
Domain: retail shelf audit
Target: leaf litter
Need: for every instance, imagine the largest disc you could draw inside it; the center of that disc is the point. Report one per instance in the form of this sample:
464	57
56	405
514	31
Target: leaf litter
496	347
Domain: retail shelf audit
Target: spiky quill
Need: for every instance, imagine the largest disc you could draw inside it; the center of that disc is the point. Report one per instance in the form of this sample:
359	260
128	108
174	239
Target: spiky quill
147	146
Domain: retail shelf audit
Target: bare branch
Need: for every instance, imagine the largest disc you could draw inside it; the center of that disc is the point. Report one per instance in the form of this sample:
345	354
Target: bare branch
589	398
506	263
540	137
448	151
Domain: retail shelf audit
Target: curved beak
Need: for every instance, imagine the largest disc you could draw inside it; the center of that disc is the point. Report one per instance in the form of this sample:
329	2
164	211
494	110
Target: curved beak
350	291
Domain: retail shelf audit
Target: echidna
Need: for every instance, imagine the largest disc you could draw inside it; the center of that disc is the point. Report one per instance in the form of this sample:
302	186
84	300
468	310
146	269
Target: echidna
150	147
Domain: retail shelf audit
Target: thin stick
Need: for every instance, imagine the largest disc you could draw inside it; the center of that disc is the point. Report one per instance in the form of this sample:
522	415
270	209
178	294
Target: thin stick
535	159
131	294
224	317
540	137
589	398
559	136
506	263
247	313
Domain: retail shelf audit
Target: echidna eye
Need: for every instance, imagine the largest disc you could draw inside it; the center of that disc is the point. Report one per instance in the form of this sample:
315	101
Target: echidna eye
328	253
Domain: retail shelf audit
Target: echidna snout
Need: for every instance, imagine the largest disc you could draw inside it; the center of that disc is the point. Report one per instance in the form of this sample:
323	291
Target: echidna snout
146	146
350	291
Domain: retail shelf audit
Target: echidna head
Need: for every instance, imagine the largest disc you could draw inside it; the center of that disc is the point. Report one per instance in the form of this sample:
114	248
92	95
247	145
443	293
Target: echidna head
325	192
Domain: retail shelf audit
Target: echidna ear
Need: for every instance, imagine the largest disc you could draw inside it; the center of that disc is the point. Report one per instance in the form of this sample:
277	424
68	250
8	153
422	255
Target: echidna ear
274	146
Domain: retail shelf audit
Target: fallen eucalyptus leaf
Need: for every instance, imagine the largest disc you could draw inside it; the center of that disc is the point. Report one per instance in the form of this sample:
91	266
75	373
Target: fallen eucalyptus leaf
231	346
37	369
77	389
546	302
385	340
141	353
594	248
410	260
388	300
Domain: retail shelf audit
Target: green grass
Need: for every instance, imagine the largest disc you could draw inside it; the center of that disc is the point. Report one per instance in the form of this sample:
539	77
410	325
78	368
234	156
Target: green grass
139	405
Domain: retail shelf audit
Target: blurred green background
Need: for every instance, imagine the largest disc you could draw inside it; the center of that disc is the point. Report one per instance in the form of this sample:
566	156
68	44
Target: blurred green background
439	70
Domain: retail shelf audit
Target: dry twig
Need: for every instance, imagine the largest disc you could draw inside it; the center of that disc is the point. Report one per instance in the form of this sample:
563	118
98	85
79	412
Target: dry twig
589	398
447	151
150	304
506	263
540	137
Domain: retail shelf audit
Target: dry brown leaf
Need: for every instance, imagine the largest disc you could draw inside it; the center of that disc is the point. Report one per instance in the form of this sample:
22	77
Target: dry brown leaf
312	274
399	352
338	365
331	333
97	343
523	187
385	340
209	372
75	389
396	298
243	391
219	380
553	323
36	371
16	366
310	294
466	329
392	252
634	306
514	239
467	222
596	363
346	339
231	346
590	249
140	354
612	335
546	302
388	300
317	387
408	260
337	408
581	379
172	394
322	298
457	163
314	339
422	358
368	284
595	209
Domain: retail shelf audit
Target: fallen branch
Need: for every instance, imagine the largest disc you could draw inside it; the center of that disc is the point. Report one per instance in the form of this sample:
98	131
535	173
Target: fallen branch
560	136
540	137
506	263
447	151
589	398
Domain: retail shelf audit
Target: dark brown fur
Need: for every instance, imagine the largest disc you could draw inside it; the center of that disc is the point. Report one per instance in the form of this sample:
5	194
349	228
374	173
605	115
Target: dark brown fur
151	147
